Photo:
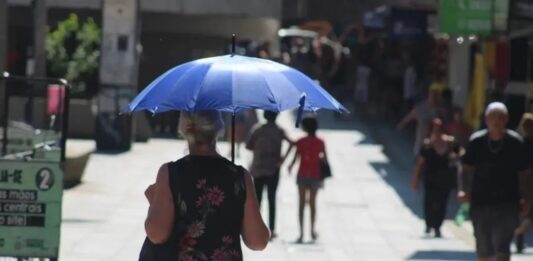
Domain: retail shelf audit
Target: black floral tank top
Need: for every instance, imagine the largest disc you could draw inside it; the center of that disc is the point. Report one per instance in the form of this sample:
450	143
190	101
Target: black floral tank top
209	195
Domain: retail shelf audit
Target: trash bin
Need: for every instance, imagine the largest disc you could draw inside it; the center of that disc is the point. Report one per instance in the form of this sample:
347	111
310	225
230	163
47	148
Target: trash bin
113	131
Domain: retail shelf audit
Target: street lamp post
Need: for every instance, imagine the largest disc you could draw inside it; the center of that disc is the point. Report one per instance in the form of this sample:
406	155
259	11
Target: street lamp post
3	46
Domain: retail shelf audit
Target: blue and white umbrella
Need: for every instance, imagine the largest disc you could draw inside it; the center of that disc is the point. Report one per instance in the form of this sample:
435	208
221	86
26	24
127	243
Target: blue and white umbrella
233	83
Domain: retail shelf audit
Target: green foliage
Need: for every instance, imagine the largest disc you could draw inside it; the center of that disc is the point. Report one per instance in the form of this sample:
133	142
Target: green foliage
73	50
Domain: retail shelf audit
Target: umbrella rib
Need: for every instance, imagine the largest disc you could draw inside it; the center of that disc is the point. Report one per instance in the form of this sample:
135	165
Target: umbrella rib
268	88
177	83
159	79
195	96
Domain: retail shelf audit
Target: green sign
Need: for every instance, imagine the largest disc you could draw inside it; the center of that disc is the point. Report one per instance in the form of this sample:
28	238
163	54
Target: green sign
462	17
30	208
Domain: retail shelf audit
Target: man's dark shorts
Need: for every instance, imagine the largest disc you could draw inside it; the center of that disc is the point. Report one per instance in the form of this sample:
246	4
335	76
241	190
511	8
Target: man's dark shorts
494	228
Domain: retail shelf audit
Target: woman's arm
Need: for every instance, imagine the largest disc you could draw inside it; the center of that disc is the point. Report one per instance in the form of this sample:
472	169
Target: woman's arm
420	162
324	154
296	155
288	139
291	144
464	182
250	143
160	219
255	233
411	116
285	155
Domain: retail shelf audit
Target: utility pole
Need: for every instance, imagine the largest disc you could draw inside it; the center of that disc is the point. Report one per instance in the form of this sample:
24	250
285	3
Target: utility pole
3	48
3	34
39	34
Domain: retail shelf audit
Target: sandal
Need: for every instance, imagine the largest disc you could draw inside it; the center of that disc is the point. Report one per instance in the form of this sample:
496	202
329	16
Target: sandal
314	236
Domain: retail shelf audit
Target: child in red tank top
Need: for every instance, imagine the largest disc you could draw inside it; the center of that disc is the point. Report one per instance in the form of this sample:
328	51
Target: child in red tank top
310	149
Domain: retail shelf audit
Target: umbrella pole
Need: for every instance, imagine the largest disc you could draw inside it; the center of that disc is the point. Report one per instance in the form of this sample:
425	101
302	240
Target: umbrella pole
233	137
233	114
232	44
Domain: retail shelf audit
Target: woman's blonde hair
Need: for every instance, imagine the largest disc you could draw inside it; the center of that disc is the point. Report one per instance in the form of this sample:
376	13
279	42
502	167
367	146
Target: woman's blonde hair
525	128
202	127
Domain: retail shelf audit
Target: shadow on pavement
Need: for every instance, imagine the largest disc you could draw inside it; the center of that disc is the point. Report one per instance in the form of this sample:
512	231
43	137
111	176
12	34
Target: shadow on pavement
443	255
110	152
397	147
329	120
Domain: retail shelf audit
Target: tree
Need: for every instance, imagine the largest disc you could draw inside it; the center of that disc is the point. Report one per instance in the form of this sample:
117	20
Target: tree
73	50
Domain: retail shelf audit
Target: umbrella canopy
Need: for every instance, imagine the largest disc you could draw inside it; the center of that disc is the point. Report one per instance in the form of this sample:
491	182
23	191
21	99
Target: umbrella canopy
233	83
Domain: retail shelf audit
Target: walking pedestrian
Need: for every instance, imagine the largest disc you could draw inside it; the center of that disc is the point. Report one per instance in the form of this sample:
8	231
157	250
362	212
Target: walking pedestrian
526	130
423	113
201	204
310	150
494	159
410	83
361	86
266	142
435	165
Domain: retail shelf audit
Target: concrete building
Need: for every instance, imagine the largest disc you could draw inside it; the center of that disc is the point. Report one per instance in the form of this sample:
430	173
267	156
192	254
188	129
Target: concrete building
172	32
340	12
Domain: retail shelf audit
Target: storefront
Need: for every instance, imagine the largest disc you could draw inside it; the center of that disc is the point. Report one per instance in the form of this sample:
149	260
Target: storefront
487	60
519	91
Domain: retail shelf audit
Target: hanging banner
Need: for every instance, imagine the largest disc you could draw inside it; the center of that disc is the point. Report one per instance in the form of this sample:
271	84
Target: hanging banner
522	9
460	17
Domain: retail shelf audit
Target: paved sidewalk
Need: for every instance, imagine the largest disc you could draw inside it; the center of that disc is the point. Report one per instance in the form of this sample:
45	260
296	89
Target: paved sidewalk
360	214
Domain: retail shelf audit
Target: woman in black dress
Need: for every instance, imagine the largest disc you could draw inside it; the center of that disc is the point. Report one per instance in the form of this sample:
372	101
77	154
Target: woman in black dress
201	204
435	165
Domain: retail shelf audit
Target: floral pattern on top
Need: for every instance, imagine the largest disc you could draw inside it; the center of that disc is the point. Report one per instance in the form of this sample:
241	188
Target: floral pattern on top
210	199
223	253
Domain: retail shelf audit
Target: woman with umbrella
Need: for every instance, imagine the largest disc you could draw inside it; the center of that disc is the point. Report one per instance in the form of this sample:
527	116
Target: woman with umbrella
202	204
229	83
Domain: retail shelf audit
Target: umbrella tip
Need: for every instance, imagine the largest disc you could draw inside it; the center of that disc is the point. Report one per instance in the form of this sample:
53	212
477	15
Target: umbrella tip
232	44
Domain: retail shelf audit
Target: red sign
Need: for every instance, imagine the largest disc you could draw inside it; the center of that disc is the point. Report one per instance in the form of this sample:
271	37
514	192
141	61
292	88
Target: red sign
56	96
